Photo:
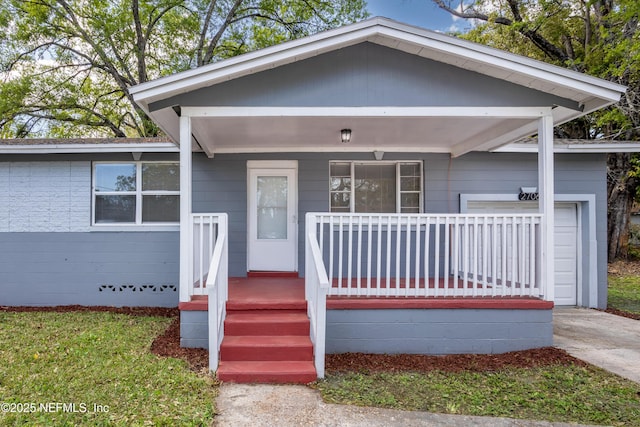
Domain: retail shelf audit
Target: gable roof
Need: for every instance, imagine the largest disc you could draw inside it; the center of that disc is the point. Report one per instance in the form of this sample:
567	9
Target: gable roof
587	93
414	40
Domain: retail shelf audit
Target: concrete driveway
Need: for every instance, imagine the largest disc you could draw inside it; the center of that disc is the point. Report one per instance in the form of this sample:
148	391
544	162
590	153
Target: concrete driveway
602	339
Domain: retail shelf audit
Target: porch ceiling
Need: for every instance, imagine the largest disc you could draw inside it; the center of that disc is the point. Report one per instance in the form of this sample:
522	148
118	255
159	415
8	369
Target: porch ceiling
313	134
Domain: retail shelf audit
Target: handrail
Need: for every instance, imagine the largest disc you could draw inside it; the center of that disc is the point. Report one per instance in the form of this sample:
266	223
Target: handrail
206	228
316	287
217	290
323	279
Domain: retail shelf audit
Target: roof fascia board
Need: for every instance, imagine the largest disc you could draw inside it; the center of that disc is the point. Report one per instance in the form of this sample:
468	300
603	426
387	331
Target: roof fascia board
330	149
506	112
166	147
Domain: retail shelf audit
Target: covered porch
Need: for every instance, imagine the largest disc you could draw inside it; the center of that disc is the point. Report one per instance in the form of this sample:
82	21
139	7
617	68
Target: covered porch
403	94
367	273
399	267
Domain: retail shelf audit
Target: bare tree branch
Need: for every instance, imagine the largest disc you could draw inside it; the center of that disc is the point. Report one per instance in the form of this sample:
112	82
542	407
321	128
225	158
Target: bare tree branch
208	56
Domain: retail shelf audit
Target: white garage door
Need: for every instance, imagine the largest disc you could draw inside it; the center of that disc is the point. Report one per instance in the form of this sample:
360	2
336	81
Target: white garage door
566	242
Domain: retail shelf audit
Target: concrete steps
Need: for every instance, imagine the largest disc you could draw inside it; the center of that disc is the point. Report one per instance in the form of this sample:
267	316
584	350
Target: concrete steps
266	347
271	372
267	341
267	322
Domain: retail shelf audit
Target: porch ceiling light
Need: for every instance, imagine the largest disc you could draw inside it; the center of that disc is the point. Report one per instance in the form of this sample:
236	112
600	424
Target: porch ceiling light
345	135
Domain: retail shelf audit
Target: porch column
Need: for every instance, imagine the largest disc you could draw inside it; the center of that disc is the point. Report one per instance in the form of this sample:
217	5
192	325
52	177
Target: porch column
186	245
546	203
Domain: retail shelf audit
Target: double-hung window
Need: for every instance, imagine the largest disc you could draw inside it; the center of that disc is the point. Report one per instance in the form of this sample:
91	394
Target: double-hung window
136	193
376	187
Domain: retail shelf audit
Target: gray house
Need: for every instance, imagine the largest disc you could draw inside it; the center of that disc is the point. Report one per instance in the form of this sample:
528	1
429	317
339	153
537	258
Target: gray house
373	171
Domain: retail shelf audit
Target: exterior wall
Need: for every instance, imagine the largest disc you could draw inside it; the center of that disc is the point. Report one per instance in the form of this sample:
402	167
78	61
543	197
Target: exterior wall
366	74
194	329
437	331
113	269
51	255
45	197
415	331
220	186
497	173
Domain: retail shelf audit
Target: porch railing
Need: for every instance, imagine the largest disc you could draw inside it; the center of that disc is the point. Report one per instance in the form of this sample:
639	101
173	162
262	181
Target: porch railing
430	255
316	288
206	232
210	270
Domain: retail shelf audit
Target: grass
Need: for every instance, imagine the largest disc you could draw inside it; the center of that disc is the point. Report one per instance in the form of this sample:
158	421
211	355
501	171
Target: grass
88	368
556	394
624	293
570	394
95	369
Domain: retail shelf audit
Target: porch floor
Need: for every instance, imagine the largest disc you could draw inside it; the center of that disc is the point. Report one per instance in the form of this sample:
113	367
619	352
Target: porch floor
288	293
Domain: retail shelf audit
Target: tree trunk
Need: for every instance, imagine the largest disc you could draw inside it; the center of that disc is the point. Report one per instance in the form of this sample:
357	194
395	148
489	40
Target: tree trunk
620	193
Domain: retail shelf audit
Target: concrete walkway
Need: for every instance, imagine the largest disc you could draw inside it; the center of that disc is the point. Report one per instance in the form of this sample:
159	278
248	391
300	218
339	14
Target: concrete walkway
602	339
247	405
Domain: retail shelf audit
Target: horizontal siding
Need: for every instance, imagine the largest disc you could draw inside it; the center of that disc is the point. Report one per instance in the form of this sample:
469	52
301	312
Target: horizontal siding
220	186
365	75
116	269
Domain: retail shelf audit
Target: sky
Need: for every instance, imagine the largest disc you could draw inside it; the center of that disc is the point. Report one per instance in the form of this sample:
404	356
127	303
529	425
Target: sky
422	13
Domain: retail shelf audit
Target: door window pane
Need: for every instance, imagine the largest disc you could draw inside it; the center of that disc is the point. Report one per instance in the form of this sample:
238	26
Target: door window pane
272	207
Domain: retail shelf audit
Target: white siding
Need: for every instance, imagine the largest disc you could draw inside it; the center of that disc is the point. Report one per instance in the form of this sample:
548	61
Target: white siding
45	196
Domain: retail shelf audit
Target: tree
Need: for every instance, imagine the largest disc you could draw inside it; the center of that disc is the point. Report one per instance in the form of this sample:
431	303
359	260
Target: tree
599	37
67	65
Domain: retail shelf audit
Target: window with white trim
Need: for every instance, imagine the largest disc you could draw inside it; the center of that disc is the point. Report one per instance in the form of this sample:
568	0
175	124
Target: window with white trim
136	193
375	187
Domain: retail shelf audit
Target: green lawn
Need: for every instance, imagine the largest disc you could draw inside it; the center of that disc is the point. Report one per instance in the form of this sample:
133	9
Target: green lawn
624	293
556	393
89	368
95	369
571	394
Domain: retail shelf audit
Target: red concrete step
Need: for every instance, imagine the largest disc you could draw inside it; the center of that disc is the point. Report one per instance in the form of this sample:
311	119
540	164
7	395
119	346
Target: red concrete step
282	372
263	348
266	322
282	304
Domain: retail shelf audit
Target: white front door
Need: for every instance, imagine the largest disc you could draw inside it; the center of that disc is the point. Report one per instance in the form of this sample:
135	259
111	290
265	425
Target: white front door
272	222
